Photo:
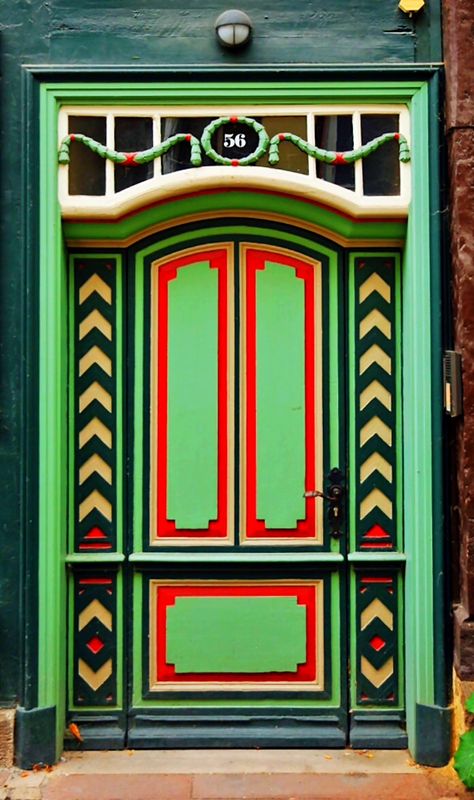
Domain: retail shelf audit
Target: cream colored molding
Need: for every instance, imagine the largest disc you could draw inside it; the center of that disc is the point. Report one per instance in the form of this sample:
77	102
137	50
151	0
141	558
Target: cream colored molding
159	188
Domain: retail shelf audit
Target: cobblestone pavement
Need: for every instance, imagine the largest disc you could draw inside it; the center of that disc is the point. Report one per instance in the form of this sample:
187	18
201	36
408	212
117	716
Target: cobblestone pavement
233	775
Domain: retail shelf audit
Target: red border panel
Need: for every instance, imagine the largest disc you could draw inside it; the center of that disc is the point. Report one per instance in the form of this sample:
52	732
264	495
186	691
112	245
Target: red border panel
168	272
305	595
256	528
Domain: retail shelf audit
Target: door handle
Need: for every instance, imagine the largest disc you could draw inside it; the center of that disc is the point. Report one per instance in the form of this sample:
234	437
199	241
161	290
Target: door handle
334	495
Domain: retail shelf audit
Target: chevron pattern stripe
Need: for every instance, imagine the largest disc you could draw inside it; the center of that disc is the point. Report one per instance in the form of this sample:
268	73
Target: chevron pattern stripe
95	641
377	641
374	410
96	378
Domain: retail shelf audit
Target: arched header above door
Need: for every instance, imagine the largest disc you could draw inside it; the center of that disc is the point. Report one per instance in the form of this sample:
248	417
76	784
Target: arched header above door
353	158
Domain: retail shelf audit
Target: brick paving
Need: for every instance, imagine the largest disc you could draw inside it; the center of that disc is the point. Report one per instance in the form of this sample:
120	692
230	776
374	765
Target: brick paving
233	775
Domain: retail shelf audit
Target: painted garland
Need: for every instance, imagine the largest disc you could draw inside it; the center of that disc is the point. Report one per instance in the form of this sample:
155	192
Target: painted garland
131	159
265	144
260	150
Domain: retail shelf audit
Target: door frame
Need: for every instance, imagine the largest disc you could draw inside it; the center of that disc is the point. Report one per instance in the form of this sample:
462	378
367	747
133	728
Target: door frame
428	719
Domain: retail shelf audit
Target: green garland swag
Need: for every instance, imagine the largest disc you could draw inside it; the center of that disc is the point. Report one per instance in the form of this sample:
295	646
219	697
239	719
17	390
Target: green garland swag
264	144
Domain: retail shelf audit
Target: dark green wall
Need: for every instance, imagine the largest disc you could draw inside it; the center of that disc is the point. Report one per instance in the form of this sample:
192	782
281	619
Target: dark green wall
159	34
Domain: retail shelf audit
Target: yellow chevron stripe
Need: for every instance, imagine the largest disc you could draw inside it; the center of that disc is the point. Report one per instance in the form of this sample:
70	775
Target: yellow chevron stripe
376	499
95	320
95	284
95	500
373	463
93	610
375	320
95	464
375	427
376	676
95	392
375	391
91	677
374	283
95	356
95	428
375	355
376	610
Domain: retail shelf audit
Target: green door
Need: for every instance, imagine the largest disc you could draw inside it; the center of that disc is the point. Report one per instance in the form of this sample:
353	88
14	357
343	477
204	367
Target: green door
238	377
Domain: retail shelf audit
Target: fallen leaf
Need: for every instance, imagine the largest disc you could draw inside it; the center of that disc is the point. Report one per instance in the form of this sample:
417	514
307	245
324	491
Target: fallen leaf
76	732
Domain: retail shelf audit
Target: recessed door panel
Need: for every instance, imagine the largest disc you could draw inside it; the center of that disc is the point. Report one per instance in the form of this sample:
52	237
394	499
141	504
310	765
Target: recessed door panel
281	396
191	379
252	636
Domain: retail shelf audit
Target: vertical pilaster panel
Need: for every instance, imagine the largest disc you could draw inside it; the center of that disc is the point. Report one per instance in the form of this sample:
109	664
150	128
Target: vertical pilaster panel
374	422
97	362
377	680
95	654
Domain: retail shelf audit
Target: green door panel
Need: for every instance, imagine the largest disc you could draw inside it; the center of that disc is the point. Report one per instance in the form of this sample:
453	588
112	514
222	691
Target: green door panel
236	634
280	306
192	396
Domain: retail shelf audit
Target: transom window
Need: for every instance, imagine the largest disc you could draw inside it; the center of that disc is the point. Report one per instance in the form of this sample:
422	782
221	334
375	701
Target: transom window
361	153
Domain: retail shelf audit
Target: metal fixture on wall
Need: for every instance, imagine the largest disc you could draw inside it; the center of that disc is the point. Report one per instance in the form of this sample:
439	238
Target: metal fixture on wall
233	28
411	6
452	372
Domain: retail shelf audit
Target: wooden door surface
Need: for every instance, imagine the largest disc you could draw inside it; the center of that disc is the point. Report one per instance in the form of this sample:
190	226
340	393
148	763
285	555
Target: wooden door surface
235	491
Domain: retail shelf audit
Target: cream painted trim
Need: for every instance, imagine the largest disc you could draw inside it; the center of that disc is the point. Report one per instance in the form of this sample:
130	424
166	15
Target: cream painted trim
164	187
113	205
283	686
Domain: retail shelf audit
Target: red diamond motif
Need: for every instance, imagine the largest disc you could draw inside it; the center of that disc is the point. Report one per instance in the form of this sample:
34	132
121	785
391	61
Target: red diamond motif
95	645
377	643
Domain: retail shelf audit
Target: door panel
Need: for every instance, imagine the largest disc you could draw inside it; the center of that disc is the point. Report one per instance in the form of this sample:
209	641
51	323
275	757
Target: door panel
281	381
213	635
191	492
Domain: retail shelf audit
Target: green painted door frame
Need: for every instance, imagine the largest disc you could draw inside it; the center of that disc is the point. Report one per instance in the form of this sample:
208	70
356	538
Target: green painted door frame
427	716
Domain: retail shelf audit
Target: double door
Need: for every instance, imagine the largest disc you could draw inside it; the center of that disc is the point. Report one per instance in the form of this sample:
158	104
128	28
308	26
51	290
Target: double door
234	445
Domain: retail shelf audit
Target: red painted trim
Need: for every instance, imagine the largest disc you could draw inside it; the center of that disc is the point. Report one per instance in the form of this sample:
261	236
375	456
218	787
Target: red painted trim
256	528
306	596
96	546
205	192
377	546
167	272
376	532
95	533
377	580
96	581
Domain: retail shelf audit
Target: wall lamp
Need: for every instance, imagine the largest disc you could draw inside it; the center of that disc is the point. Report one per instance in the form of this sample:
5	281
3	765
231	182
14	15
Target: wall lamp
233	28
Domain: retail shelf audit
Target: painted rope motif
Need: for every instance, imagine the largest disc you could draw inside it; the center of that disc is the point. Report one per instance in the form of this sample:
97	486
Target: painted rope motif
265	144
